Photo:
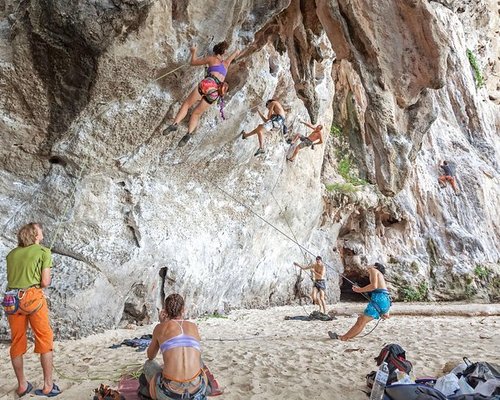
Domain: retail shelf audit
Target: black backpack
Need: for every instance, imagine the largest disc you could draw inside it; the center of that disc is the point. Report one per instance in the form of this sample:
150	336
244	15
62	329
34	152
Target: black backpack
395	357
413	392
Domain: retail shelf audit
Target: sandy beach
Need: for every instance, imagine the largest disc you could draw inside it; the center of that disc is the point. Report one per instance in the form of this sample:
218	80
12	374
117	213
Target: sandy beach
257	354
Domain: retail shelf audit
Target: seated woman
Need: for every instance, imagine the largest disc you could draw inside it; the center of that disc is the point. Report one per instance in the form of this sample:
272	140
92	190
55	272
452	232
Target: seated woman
208	90
182	375
379	304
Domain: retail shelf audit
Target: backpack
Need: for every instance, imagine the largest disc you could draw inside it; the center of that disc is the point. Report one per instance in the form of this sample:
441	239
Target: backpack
481	372
472	396
395	357
413	392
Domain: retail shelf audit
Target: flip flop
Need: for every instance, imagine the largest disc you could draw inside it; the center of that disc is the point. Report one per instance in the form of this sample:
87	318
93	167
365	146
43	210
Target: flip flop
55	391
333	335
28	389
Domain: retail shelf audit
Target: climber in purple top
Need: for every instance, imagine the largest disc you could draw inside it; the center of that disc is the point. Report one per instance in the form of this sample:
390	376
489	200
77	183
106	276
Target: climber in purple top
208	91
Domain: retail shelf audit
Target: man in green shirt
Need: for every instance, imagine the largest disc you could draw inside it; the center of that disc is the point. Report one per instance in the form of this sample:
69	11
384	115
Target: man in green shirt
28	269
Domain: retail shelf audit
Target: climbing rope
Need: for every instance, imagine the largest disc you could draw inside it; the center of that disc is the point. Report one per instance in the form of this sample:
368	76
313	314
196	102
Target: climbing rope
292	239
256	337
299	274
133	370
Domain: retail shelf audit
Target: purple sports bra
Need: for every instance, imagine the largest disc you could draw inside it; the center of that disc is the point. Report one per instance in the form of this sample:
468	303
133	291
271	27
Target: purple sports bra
181	340
220	68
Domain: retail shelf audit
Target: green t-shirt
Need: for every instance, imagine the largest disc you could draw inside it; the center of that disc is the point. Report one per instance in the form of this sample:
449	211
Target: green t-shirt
25	264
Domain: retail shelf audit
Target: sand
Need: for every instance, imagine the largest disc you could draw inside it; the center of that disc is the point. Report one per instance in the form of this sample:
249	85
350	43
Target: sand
256	354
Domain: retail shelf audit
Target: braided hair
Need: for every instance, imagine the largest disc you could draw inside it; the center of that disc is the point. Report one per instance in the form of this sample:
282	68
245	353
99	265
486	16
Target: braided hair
174	305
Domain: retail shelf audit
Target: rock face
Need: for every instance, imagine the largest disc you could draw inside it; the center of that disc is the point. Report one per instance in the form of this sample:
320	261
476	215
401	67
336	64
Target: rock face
88	88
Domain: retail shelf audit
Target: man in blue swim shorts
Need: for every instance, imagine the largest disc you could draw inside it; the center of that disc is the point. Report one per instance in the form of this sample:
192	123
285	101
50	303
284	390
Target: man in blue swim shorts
379	305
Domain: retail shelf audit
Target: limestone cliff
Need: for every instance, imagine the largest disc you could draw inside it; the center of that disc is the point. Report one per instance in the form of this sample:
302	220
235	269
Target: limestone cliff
87	89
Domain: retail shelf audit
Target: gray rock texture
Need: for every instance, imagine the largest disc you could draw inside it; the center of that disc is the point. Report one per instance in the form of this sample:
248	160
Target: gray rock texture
86	89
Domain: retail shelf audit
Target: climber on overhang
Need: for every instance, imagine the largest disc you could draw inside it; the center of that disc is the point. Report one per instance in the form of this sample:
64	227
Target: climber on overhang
208	91
316	137
447	176
275	120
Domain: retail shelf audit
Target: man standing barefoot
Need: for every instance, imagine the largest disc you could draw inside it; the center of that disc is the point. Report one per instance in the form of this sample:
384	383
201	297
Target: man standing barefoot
319	285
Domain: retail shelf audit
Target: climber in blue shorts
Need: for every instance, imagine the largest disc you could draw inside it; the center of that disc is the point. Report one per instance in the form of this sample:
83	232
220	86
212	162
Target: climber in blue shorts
379	305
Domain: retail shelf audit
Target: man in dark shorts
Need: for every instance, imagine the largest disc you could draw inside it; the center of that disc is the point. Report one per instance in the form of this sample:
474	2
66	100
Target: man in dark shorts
275	120
319	285
316	137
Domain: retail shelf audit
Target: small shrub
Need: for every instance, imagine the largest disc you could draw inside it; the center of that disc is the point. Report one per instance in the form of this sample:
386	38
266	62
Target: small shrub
341	187
481	271
478	77
423	290
213	315
409	294
470	291
415	294
344	169
336	130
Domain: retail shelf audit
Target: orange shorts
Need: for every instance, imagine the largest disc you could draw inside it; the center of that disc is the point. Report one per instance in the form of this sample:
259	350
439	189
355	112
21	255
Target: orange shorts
40	325
447	178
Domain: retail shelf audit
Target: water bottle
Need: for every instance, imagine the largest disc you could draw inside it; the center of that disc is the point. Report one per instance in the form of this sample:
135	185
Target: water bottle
379	382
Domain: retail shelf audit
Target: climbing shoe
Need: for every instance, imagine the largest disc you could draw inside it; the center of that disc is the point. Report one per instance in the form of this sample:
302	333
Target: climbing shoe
243	135
170	128
184	140
259	151
333	335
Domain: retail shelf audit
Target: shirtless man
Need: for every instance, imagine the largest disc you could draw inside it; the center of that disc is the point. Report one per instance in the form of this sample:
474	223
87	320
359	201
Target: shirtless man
275	119
319	286
316	137
378	307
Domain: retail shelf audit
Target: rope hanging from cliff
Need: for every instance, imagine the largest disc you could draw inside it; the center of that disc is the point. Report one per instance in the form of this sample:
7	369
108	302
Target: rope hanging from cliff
282	212
305	249
294	240
289	238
